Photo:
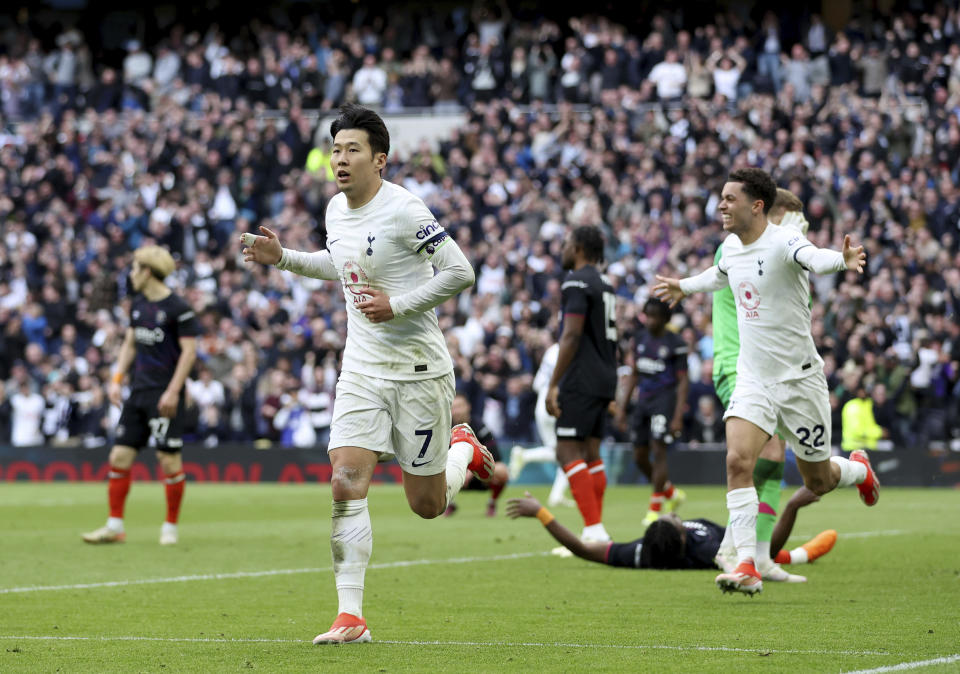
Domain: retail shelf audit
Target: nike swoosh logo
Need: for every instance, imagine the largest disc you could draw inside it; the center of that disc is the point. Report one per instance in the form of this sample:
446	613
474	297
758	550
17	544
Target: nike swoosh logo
330	243
417	465
809	452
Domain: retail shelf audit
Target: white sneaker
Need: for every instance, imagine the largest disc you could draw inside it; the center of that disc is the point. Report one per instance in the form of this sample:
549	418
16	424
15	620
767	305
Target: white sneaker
726	561
104	535
770	570
517	462
168	534
555	501
561	551
595	533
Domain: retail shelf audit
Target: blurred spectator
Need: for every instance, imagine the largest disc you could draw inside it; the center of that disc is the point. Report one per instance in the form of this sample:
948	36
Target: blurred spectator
26	416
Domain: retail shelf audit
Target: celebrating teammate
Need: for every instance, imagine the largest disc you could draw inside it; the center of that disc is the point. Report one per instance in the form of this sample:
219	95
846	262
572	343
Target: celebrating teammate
395	390
161	345
768	472
659	363
780	380
672	543
584	379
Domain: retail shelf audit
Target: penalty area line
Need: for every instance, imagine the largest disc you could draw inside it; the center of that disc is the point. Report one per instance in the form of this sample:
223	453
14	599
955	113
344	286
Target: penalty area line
260	574
498	644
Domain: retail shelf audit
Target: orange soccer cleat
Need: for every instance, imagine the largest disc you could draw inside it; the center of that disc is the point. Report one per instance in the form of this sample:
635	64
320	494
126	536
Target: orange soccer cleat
820	544
482	463
869	488
346	629
745	578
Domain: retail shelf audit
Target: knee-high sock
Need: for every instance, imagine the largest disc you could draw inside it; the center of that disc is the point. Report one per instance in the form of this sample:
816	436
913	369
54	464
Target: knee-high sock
742	504
458	457
581	486
767	476
174	484
851	472
351	542
117	490
599	476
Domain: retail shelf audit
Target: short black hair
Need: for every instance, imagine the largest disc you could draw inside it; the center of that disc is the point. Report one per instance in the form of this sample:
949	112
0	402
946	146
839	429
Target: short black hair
353	116
590	240
662	547
757	184
654	305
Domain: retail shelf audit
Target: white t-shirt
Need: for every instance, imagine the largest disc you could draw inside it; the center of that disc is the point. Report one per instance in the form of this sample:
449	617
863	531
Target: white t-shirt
772	293
387	244
26	418
670	79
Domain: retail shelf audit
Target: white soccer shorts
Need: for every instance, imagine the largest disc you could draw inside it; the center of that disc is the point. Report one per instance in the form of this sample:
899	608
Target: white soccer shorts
407	419
798	409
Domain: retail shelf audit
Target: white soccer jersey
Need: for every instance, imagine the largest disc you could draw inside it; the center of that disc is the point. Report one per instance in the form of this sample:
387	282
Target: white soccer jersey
771	288
387	244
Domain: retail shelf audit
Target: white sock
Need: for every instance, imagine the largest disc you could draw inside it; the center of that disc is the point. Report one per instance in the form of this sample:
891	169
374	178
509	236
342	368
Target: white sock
168	527
799	556
351	542
539	455
115	524
560	484
851	472
595	532
763	552
744	505
458	457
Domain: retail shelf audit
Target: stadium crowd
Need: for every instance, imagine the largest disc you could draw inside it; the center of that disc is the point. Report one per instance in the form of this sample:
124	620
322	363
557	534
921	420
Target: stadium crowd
577	123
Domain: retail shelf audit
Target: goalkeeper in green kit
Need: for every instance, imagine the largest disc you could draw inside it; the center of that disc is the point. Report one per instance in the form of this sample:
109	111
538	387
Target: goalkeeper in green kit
787	211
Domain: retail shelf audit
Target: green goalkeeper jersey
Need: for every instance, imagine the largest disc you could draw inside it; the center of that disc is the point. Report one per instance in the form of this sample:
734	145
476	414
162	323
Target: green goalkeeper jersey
726	340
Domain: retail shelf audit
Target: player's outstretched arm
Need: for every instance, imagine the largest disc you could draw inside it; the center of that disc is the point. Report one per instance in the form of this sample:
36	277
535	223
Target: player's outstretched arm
530	507
266	249
825	261
672	290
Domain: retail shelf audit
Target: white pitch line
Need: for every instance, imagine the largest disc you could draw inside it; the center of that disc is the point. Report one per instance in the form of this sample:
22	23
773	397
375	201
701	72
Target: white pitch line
259	574
498	644
948	660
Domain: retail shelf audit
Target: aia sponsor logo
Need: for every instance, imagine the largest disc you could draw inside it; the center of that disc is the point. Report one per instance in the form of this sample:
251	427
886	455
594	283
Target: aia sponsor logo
748	297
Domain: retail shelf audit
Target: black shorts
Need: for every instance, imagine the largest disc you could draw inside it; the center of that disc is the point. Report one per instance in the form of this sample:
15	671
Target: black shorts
141	424
652	420
581	416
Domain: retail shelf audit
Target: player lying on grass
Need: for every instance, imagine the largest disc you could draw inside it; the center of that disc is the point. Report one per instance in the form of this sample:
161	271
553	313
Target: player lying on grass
672	543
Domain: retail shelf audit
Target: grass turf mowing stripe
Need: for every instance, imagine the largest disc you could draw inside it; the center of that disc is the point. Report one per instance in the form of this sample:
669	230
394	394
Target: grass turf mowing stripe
903	666
259	574
498	644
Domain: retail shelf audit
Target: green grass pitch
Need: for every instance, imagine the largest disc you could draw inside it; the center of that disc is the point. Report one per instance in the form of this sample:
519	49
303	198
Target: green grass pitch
250	585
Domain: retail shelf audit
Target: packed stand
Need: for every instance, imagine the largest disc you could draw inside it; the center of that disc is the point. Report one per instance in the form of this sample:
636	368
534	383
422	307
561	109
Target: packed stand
587	122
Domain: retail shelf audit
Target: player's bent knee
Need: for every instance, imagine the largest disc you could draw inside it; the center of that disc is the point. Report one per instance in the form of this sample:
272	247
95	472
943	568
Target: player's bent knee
818	484
426	507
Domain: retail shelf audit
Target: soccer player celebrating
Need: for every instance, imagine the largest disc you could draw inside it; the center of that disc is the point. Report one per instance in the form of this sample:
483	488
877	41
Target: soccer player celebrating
396	385
584	379
780	380
659	364
768	473
161	345
672	543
